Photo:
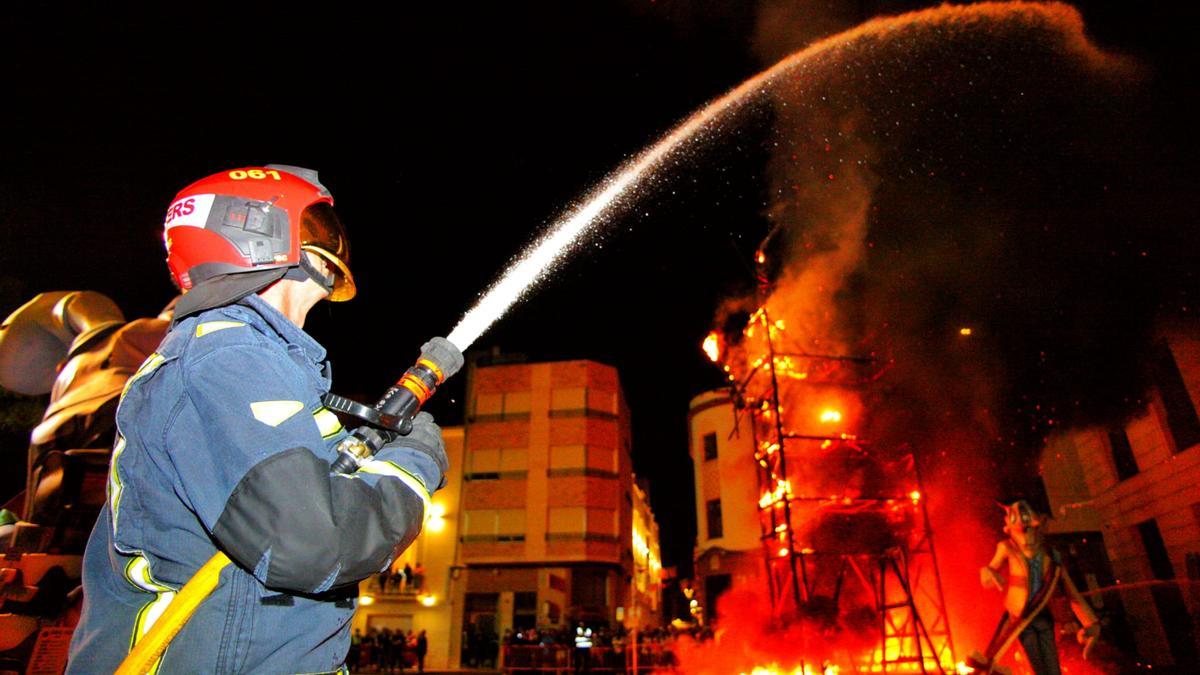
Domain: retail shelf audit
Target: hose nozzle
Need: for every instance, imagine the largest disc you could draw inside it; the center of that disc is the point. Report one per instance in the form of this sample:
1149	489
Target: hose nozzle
394	413
439	360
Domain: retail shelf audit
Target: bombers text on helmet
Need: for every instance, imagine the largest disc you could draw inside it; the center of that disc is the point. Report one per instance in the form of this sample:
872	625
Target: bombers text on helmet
254	220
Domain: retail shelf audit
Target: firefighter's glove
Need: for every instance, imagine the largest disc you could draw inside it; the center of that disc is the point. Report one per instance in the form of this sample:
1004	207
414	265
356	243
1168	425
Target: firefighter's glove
422	452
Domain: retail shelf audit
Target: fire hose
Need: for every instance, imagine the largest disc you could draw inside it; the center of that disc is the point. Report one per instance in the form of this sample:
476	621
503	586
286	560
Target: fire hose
391	417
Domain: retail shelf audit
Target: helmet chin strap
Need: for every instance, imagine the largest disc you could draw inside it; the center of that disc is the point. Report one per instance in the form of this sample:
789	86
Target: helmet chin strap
307	271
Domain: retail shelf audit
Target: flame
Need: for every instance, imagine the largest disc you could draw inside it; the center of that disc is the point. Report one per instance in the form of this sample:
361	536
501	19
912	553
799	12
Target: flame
831	416
964	331
774	669
782	488
760	257
712	346
915	496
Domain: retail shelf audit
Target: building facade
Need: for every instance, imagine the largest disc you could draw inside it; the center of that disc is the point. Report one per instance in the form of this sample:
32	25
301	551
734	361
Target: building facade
542	523
1126	506
644	607
728	550
399	602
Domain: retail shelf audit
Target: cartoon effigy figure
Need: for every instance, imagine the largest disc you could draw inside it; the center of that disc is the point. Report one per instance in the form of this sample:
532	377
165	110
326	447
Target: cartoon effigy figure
1035	574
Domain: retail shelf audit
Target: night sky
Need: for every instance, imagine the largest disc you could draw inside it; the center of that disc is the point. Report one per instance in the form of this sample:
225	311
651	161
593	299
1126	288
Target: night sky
449	137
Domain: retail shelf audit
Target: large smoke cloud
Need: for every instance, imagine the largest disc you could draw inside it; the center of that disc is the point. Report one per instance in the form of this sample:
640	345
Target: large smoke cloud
973	167
980	167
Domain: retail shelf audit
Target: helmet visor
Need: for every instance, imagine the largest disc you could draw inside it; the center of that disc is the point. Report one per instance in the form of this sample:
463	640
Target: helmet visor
321	233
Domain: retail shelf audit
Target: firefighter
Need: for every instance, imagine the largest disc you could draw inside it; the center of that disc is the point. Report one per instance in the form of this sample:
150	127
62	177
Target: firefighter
223	443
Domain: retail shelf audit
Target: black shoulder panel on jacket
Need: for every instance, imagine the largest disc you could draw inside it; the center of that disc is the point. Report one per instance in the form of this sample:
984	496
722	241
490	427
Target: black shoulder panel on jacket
312	524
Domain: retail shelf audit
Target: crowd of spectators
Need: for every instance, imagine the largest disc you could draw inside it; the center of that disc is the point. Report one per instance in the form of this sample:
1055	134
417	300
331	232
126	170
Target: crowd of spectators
400	579
608	649
387	651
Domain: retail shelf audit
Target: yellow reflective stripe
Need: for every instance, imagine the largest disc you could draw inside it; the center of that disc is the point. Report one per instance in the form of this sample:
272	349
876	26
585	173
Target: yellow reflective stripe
115	486
153	361
209	327
274	413
137	573
385	468
327	422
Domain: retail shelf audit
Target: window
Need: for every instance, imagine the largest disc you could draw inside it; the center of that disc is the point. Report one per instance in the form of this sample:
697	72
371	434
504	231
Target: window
1156	550
509	406
574	398
715	527
494	525
580	401
567	520
524	610
494	463
577	522
1182	421
582	460
710	446
567	456
1122	454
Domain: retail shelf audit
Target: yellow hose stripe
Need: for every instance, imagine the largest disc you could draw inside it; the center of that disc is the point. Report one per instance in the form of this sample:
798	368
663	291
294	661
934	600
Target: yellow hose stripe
164	626
210	327
385	468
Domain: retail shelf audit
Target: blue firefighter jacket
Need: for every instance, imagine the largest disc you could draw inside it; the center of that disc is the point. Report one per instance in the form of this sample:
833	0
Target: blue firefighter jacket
223	443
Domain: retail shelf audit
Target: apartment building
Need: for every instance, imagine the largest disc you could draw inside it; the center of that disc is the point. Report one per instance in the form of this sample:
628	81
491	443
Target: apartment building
1126	505
728	548
542	522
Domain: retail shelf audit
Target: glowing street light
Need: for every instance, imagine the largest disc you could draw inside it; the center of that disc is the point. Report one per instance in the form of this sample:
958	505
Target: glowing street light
437	518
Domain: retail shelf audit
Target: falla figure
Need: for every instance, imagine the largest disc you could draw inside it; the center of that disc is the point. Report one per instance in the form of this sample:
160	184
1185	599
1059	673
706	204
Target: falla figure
1035	573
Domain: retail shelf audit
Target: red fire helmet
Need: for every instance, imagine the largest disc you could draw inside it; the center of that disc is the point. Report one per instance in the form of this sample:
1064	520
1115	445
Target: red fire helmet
254	219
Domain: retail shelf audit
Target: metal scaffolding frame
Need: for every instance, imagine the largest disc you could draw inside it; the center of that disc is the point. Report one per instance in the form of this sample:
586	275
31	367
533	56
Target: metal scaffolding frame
831	558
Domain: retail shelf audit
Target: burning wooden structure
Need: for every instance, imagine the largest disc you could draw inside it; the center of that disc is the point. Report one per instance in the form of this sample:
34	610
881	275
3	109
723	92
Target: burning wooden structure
846	539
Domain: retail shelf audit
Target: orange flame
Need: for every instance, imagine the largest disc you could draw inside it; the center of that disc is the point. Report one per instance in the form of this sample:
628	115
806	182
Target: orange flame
712	346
